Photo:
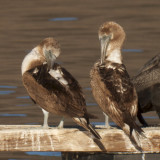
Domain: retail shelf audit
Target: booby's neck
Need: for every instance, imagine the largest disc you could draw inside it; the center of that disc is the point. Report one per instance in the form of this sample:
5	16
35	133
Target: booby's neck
114	56
31	60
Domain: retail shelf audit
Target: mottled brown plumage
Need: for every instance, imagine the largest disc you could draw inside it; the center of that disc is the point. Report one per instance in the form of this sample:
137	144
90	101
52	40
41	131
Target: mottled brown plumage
52	87
66	101
111	85
114	85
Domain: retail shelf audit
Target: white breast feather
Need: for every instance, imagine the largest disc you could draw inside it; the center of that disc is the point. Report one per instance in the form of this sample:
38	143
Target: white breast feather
33	55
58	76
115	56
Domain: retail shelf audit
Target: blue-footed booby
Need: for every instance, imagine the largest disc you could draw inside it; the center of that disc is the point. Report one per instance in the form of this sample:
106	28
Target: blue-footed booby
52	87
111	84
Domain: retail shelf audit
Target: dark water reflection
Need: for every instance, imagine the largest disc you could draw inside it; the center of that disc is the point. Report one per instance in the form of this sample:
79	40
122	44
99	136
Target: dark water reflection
25	23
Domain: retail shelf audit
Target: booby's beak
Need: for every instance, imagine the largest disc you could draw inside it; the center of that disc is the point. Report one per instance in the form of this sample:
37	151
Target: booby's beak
104	45
50	58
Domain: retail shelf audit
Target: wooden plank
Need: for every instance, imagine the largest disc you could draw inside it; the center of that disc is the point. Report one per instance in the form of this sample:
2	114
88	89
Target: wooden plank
35	138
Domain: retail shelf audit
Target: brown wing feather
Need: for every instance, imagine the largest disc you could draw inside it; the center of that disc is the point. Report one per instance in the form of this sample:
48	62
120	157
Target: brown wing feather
53	96
113	91
148	75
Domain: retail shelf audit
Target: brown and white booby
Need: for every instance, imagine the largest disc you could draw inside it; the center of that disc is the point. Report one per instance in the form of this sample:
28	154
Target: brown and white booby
111	85
147	84
52	87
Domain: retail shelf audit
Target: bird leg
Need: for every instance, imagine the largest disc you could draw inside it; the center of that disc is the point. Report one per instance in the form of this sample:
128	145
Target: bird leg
61	124
45	122
106	121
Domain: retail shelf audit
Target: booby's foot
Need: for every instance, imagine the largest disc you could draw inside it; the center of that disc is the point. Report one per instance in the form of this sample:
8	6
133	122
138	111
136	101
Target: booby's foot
61	124
107	126
45	122
45	126
106	123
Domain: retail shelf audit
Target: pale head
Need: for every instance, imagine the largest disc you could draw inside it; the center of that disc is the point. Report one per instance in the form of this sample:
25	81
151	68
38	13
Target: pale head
49	49
111	36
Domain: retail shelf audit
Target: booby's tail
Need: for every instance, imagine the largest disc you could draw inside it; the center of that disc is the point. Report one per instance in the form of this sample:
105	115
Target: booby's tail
134	132
83	122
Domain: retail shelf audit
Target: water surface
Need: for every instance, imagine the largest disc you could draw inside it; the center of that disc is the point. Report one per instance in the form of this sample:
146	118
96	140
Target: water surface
75	25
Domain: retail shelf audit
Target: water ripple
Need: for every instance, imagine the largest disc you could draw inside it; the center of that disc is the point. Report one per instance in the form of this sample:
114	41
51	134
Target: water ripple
63	19
103	123
6	92
23	97
57	154
12	115
18	159
22	105
8	86
132	50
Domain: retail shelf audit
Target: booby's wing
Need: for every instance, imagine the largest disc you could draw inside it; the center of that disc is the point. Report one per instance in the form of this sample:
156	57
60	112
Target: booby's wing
119	86
147	83
148	75
152	63
55	97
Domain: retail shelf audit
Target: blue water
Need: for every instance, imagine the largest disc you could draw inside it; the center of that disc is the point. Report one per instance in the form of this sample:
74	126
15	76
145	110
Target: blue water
6	92
102	123
132	50
12	115
57	154
63	19
8	87
23	97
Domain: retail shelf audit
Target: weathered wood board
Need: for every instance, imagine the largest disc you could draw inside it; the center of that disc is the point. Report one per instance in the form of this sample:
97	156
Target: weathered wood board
35	138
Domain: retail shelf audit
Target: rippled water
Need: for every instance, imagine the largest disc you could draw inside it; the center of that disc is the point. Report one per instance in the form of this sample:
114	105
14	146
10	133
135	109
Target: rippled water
75	24
64	19
56	154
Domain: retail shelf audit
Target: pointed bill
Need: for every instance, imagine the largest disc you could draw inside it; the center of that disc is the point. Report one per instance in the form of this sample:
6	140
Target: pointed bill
50	58
104	45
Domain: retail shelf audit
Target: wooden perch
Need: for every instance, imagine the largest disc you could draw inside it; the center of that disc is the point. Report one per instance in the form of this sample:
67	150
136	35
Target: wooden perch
35	138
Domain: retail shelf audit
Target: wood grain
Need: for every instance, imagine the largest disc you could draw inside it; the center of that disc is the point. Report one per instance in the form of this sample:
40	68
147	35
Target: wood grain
35	138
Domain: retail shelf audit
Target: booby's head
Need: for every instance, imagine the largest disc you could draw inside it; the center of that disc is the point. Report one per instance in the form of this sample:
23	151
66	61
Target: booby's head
49	50
111	36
